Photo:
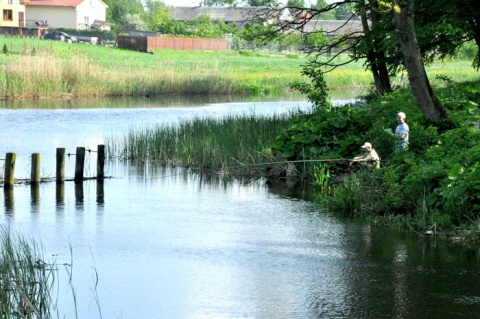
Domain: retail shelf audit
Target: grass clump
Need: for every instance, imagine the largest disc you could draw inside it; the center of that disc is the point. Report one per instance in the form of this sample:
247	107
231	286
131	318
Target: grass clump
234	143
26	279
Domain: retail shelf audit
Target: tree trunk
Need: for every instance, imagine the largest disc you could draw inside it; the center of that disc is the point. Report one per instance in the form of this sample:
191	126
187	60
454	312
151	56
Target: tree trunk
425	98
379	69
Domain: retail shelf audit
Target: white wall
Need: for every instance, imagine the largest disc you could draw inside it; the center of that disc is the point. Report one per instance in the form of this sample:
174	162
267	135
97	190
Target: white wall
89	11
57	17
67	17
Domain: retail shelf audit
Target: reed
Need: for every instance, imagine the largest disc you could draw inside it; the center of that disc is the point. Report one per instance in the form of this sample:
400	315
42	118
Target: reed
26	279
234	143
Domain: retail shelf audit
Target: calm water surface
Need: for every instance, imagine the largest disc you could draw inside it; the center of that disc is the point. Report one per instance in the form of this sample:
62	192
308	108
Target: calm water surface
166	243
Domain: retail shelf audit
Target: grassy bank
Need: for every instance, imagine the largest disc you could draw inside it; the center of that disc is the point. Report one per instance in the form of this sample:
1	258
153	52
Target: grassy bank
434	185
34	68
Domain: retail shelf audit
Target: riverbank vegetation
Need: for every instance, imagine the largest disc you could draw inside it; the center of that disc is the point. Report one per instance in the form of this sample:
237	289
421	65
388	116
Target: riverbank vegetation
27	279
39	69
233	145
435	183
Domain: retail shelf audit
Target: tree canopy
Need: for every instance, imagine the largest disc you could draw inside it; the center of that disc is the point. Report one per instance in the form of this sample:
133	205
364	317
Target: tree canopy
395	34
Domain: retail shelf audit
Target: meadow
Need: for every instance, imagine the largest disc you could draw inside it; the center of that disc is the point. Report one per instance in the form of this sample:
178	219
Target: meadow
32	68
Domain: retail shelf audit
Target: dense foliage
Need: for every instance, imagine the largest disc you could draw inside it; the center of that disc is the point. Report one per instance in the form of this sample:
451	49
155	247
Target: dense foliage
436	182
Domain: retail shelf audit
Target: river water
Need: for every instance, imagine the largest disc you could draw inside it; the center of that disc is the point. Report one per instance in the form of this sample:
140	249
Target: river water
167	243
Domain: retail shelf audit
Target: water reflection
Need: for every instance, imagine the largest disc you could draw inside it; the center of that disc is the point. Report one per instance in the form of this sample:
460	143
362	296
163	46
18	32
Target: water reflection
35	197
60	196
9	200
100	193
164	100
144	102
79	196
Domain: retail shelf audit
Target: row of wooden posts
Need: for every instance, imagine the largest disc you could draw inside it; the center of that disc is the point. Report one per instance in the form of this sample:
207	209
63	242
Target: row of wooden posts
35	178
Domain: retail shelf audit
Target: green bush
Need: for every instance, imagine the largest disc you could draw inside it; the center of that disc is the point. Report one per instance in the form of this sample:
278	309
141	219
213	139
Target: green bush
436	182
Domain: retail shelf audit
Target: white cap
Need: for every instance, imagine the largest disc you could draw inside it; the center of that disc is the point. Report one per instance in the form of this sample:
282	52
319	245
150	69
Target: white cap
366	145
401	114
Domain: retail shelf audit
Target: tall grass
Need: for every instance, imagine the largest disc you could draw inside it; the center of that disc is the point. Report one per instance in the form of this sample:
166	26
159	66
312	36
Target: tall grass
35	68
26	279
234	143
29	282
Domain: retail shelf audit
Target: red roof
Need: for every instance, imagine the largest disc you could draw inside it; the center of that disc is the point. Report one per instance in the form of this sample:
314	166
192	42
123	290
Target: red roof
54	3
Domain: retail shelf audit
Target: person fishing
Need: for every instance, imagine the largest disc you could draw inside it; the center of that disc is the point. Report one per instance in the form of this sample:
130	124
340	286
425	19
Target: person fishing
401	133
370	158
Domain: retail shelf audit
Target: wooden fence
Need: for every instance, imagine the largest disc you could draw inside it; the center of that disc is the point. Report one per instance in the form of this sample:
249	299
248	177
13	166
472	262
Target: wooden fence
22	31
35	178
147	44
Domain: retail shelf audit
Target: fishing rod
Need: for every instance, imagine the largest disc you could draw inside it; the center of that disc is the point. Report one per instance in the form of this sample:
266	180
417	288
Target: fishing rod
328	160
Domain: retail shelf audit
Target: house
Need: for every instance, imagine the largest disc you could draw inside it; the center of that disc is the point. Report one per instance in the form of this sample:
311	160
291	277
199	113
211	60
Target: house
240	16
333	28
13	13
72	14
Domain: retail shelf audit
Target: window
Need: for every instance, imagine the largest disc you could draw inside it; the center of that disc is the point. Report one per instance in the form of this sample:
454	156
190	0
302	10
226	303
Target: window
10	1
7	15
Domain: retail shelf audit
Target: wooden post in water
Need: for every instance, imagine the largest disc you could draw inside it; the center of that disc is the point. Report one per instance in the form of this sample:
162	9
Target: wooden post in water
10	170
79	165
35	173
100	161
60	195
60	165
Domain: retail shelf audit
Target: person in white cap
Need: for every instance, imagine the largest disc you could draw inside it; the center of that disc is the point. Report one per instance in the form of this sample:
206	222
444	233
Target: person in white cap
401	133
370	158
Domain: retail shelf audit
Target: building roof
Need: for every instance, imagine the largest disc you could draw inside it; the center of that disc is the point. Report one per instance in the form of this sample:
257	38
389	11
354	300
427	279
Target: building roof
333	27
227	14
56	3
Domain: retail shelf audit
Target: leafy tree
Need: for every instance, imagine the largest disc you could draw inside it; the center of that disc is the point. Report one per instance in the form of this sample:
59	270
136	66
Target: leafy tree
364	44
255	32
126	14
446	25
389	47
160	17
325	15
472	17
428	102
341	11
316	90
203	27
316	39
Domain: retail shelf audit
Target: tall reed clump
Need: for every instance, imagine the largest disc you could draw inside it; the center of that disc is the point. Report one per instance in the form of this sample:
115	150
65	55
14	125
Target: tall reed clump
26	280
234	143
44	75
